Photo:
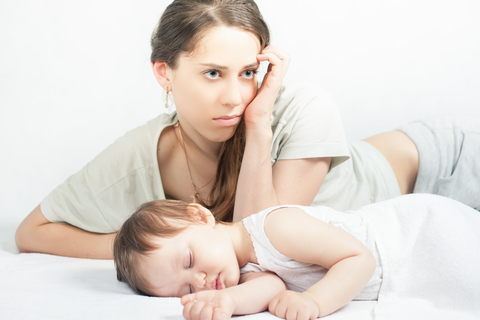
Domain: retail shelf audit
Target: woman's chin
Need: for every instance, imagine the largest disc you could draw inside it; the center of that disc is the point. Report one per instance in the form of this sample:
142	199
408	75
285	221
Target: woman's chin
224	135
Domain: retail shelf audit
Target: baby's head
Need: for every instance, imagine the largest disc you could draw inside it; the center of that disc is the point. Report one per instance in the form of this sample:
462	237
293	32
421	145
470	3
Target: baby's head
137	236
171	248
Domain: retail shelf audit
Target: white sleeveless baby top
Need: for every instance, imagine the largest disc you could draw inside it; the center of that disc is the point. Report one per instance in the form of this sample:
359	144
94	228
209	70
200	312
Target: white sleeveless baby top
299	276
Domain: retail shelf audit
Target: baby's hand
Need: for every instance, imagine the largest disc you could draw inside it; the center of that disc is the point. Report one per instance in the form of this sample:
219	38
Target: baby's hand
293	305
208	305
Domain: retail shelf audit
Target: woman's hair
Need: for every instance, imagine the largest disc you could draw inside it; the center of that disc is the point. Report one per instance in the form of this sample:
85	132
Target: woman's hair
181	26
154	219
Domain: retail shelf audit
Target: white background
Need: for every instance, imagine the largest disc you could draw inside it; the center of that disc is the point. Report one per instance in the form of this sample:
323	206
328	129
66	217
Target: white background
75	75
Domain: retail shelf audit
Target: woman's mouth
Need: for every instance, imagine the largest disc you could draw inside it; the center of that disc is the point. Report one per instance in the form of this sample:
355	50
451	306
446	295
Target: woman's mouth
228	120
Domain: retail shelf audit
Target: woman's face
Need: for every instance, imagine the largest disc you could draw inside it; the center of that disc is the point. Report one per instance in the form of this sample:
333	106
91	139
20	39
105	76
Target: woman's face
213	85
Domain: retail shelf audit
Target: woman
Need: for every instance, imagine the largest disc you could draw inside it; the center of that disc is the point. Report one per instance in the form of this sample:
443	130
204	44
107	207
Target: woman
216	149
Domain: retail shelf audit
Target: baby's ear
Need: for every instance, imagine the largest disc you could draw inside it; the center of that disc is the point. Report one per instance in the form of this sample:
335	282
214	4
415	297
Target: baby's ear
201	213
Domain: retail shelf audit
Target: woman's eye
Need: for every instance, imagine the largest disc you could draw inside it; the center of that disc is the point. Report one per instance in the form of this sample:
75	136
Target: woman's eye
249	74
212	74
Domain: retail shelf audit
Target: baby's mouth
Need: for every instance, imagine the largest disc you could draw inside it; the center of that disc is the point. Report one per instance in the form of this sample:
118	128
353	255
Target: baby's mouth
217	283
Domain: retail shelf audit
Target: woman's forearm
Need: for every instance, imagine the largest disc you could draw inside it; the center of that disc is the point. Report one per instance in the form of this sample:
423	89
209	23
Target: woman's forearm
255	190
37	234
261	185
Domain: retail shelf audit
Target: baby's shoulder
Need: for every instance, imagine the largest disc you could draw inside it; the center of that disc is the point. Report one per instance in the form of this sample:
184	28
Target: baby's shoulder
284	221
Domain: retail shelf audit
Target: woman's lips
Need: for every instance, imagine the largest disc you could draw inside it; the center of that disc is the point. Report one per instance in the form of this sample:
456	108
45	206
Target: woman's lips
228	120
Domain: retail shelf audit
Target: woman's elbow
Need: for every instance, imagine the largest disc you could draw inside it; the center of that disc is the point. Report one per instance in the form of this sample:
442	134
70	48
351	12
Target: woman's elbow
27	230
21	239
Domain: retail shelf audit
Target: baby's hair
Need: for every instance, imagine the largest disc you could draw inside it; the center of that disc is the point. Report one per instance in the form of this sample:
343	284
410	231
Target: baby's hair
154	219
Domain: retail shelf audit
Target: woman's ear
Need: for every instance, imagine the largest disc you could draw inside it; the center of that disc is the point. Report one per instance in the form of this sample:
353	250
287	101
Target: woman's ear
201	214
163	74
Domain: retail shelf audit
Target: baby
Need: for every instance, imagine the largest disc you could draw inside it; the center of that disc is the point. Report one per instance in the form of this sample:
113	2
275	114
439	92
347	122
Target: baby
297	262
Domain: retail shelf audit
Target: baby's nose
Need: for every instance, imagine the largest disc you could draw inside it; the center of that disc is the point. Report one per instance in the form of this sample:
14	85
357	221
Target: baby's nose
200	280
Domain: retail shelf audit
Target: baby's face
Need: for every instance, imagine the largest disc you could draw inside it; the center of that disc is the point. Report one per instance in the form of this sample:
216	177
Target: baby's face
197	259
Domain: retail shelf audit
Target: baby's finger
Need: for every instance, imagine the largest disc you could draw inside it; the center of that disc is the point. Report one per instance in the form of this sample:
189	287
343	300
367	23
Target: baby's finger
196	310
207	312
281	310
272	305
187	298
291	314
303	314
218	314
187	310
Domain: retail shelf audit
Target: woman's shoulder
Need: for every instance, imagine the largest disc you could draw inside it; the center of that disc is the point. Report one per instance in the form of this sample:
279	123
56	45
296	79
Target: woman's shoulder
306	123
151	129
305	89
298	99
302	92
136	144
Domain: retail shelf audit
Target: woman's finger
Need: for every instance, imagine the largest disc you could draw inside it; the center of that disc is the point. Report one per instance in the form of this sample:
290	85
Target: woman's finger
283	55
270	57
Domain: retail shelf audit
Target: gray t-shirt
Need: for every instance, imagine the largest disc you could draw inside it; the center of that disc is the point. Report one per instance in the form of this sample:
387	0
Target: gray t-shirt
305	124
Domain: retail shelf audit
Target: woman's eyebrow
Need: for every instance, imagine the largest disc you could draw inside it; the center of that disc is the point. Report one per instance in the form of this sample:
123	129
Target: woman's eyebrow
252	65
216	66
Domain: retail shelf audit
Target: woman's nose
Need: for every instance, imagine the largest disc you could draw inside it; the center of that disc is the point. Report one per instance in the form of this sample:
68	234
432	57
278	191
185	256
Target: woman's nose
232	95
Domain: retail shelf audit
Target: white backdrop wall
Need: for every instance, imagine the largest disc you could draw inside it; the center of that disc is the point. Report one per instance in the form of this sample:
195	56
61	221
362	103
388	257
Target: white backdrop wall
75	75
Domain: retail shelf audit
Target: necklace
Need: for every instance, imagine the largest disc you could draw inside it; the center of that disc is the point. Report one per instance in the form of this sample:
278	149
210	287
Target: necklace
182	143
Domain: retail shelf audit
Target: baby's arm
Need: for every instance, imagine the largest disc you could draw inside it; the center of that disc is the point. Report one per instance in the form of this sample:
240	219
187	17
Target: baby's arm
252	295
350	263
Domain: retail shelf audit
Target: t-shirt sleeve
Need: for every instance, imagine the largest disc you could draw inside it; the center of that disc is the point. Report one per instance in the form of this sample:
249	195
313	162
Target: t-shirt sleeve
104	193
251	267
306	123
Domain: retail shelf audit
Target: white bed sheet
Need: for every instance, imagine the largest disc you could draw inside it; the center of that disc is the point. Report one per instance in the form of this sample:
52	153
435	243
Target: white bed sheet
424	240
41	286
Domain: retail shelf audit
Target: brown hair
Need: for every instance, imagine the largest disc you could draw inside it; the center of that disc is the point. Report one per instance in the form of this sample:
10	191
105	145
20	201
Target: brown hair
158	218
181	26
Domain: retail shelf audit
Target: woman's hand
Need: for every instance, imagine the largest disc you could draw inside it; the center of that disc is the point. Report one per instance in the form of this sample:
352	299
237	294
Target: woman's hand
208	305
293	305
260	109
